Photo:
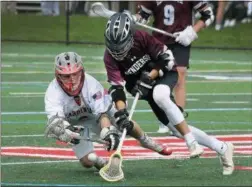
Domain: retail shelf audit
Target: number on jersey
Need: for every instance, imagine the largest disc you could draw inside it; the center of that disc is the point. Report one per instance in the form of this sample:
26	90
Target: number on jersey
168	15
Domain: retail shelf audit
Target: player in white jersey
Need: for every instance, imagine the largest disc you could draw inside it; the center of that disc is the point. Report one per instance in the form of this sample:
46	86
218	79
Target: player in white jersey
76	104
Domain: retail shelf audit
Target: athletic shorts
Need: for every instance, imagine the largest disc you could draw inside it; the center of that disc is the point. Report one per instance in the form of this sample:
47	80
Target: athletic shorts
180	53
84	147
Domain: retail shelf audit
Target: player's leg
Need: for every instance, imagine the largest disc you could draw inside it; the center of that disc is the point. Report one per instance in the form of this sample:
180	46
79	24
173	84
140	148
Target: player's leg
148	142
160	92
84	151
224	149
181	55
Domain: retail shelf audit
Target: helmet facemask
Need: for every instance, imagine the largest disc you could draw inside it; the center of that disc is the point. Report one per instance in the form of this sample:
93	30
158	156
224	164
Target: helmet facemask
120	54
69	73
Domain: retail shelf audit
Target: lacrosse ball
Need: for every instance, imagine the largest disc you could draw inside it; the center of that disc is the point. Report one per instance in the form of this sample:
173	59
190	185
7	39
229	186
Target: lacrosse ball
92	157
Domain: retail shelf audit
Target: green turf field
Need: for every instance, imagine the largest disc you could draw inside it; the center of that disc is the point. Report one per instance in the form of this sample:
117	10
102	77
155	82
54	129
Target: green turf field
219	100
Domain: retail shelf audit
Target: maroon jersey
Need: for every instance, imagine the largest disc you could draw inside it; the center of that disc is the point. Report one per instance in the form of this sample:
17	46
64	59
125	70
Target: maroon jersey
171	16
144	51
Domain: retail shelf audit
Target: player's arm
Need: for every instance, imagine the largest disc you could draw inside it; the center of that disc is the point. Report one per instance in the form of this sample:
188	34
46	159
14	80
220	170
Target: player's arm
144	11
57	126
189	34
207	16
117	94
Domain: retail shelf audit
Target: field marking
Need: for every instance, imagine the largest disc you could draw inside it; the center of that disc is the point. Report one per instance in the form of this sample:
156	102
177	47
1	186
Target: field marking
131	150
205	130
46	83
88	62
141	111
215	77
67	161
101	57
139	121
104	72
231	102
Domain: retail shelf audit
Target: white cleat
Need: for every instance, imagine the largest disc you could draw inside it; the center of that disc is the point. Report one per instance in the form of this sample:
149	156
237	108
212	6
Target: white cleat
227	160
195	150
163	129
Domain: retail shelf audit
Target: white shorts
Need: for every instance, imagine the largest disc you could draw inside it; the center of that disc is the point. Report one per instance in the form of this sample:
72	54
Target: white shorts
85	147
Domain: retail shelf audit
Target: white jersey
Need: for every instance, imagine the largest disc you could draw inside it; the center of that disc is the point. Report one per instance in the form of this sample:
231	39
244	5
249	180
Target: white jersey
85	108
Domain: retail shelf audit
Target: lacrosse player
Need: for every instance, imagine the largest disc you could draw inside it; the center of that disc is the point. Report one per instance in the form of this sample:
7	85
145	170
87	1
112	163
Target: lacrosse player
140	63
176	17
76	105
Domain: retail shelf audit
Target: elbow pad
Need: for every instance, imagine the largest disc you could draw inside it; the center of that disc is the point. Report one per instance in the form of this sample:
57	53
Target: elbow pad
207	16
117	93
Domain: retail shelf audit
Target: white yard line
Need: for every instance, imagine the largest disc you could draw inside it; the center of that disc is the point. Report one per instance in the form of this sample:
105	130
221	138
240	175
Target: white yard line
231	102
142	111
204	62
216	130
32	55
66	161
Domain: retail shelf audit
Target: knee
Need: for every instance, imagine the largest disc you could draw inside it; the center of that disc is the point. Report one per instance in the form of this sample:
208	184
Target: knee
85	162
161	92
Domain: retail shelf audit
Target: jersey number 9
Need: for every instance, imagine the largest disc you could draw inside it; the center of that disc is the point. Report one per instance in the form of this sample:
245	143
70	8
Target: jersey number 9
168	15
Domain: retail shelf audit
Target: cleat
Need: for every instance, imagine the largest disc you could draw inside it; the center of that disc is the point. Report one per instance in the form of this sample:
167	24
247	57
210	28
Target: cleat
227	160
195	150
163	129
155	146
166	151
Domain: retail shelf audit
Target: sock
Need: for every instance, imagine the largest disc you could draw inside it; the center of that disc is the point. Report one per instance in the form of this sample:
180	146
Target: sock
189	138
209	141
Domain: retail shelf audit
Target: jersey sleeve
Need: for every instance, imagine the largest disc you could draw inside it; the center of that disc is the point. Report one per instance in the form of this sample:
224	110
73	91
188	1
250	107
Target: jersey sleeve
113	72
53	102
98	97
152	45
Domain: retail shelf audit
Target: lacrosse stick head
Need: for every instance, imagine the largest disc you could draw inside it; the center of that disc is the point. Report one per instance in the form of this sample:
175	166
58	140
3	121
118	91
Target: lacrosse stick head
112	172
99	9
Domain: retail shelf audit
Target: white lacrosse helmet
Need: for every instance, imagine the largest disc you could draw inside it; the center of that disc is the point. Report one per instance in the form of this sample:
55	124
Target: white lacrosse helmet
69	72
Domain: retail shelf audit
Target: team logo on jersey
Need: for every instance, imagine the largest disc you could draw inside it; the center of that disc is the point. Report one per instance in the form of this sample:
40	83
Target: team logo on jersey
77	99
97	95
80	111
138	64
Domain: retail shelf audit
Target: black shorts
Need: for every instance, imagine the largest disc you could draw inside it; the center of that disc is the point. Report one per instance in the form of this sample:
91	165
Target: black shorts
180	53
170	79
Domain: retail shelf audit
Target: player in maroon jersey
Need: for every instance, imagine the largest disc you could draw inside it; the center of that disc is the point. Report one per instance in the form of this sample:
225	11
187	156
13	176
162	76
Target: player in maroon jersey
176	17
140	63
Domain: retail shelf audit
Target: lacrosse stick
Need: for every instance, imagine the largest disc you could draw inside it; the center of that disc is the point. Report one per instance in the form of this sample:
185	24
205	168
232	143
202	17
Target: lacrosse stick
113	172
99	9
82	138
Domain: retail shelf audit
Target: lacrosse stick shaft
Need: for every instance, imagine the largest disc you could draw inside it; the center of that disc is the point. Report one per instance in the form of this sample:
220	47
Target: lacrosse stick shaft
130	116
92	140
155	29
99	9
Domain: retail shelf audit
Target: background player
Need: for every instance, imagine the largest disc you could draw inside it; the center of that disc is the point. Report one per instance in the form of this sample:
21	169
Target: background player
176	17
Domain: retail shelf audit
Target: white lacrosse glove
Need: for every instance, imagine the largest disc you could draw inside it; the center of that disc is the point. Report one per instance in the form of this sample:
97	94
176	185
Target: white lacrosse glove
186	36
60	129
111	135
